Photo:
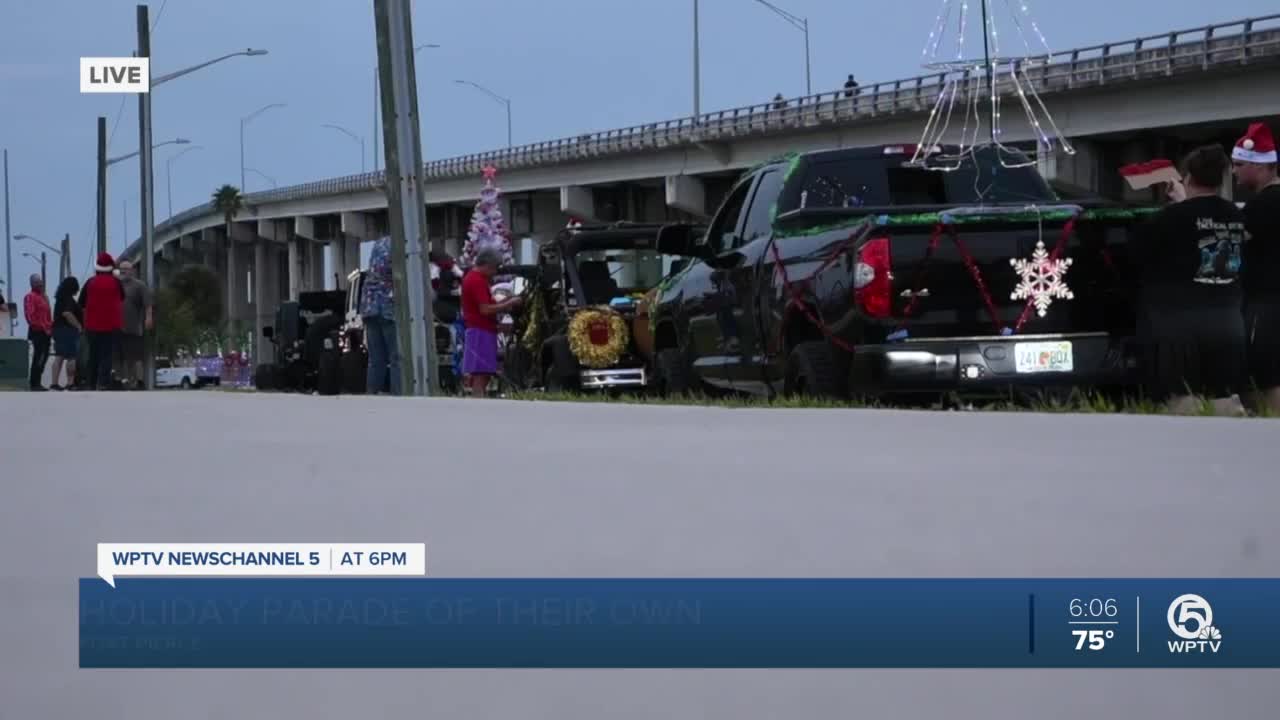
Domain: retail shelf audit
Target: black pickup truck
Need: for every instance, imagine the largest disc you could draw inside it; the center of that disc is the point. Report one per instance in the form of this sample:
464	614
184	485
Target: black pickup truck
858	273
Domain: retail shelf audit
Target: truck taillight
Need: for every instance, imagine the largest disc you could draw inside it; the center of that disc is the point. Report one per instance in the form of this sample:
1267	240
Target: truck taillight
873	279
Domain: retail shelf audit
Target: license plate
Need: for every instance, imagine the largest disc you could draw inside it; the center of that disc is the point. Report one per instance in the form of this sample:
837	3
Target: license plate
1038	357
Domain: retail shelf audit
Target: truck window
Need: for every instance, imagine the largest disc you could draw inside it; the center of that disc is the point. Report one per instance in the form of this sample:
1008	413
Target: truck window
760	216
723	231
860	180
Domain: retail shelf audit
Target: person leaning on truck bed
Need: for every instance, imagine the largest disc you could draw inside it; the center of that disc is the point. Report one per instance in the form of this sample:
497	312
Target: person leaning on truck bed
1190	321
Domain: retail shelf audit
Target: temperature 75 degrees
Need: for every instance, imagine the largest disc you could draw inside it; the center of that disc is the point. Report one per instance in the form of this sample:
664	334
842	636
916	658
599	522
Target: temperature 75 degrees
1093	639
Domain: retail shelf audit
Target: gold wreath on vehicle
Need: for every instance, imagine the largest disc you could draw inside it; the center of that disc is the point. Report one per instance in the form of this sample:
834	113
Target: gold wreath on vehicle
598	337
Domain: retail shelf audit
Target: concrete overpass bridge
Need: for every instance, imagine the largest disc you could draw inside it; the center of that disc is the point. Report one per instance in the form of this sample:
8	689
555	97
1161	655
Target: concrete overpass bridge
1119	102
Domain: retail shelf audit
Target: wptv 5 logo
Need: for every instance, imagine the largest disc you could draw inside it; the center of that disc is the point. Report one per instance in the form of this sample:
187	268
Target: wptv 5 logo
1191	619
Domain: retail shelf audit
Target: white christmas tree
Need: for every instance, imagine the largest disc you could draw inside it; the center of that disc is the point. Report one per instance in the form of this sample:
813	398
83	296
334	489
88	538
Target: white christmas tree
972	81
488	229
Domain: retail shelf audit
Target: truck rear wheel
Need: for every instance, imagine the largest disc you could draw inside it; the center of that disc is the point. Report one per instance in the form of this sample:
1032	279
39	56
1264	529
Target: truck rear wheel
264	377
814	369
354	373
674	375
328	373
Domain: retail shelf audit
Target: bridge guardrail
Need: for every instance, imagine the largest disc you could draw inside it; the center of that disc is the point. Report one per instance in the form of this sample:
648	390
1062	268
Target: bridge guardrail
1167	54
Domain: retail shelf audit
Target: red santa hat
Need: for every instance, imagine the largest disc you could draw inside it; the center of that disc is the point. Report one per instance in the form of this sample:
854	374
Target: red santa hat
105	263
1257	145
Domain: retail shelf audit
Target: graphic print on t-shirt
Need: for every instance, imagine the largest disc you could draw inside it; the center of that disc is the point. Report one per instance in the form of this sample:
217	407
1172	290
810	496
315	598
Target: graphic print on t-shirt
1220	244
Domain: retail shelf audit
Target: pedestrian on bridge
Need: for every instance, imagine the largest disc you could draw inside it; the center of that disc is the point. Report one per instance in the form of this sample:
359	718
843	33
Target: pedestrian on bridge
1254	159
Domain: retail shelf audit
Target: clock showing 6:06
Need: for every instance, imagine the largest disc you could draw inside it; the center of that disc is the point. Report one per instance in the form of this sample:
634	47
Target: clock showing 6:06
1093	608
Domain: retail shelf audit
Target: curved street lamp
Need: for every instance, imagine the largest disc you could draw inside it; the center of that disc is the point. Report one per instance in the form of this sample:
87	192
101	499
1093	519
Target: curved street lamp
264	176
498	98
245	121
377	129
168	175
122	158
353	136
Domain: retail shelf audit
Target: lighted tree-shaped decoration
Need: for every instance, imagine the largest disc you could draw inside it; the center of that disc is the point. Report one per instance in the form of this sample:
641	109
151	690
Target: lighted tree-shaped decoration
488	229
969	82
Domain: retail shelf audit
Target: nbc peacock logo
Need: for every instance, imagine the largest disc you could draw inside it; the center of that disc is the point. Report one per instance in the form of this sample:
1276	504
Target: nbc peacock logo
1191	620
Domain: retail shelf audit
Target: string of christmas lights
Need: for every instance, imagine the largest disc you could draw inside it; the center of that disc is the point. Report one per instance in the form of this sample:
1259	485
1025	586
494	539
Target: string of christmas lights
967	82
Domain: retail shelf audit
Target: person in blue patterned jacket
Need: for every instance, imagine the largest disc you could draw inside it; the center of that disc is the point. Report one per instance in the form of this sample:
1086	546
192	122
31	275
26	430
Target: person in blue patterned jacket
378	308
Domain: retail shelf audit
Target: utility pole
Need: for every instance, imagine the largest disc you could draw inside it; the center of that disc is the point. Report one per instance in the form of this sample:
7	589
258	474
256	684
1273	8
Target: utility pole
405	203
64	258
8	246
145	198
44	268
102	183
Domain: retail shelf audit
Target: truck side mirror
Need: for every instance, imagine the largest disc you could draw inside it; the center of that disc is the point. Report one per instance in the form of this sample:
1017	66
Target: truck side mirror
268	332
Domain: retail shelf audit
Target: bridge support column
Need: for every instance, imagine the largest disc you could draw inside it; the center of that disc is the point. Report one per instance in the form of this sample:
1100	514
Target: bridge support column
1080	173
687	194
356	227
266	293
578	201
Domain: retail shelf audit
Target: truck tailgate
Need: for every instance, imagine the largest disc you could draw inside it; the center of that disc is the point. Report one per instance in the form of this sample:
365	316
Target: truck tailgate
960	281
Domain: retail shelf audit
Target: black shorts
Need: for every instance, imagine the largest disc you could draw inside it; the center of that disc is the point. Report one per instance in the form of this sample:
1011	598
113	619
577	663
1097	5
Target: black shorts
1262	322
132	348
1197	351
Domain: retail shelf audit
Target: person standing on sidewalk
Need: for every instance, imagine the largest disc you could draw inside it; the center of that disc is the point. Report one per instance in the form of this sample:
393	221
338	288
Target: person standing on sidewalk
68	323
35	307
138	320
480	314
103	302
1254	161
378	309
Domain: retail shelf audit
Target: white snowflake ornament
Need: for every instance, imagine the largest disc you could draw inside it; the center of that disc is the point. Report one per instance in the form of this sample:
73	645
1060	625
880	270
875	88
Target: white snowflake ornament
1043	280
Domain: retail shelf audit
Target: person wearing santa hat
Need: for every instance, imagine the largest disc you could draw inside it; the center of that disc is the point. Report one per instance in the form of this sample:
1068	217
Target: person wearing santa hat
103	302
1254	159
1190	322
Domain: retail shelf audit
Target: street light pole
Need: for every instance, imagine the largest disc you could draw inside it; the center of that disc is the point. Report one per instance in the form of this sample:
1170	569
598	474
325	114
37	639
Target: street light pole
168	175
697	68
245	121
801	24
377	129
8	243
353	136
102	183
498	98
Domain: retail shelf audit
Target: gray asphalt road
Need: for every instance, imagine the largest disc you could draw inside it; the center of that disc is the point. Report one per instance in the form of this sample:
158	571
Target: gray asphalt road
554	490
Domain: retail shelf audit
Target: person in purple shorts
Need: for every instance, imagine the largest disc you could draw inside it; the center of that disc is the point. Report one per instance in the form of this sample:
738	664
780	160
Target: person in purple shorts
480	315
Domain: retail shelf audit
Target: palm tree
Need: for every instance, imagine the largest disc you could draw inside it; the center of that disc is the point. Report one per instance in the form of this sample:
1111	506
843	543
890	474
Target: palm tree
228	201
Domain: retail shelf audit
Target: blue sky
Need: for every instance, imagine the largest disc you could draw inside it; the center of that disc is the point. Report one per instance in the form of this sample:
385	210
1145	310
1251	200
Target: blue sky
569	66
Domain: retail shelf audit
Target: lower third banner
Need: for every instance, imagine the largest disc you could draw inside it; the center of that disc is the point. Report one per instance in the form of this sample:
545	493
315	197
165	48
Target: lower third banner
760	623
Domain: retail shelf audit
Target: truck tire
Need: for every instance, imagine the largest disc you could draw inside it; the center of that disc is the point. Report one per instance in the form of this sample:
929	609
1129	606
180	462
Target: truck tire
560	371
264	377
674	374
814	369
355	373
328	373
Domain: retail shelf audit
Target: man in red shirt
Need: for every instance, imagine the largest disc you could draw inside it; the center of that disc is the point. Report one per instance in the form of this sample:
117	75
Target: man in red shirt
35	306
480	315
103	302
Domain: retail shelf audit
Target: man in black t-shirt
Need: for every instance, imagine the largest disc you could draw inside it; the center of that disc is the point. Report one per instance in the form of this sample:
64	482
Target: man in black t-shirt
1254	158
1190	322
